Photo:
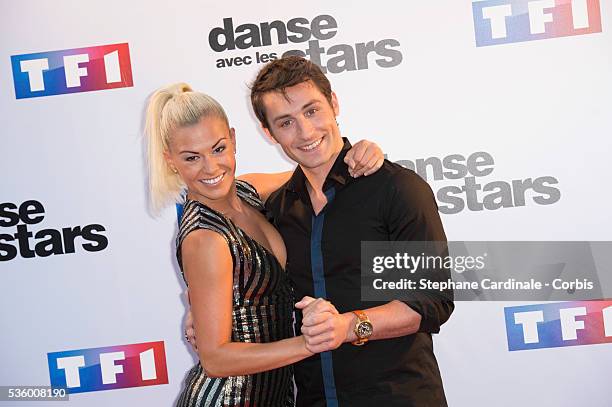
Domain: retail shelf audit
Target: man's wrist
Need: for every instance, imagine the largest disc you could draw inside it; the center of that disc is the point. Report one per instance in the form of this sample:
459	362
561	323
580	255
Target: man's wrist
351	321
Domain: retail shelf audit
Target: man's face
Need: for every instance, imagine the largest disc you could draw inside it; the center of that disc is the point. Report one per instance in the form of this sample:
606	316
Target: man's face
304	124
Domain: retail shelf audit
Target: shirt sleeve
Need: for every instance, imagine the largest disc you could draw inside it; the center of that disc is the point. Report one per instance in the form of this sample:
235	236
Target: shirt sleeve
412	215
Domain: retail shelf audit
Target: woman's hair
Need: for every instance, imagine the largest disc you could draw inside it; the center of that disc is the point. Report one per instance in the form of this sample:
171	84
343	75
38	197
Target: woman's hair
172	107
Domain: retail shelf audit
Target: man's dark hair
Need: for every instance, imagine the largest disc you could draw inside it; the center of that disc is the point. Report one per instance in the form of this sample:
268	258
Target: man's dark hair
283	73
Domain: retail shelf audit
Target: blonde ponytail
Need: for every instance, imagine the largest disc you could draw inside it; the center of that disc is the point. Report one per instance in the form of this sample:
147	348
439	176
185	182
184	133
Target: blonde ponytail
170	108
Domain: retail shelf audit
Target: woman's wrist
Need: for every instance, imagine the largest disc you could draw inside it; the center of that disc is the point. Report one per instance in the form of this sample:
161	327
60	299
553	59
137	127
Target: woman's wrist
303	347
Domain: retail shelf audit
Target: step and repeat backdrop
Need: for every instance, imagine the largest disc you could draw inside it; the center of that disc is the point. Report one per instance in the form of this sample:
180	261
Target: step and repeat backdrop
503	106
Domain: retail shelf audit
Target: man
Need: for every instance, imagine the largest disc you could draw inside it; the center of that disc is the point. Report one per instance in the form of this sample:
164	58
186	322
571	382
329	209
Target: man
372	354
323	215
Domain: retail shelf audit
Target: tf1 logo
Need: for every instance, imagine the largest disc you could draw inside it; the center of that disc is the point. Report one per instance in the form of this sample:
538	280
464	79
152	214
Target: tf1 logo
506	21
559	324
72	70
115	367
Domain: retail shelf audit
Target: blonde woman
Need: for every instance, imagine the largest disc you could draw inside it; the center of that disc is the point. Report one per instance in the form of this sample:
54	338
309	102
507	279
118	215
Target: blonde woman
231	257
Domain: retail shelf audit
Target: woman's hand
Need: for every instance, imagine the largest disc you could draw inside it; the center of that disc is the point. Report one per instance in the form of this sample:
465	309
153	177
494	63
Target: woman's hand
190	335
364	158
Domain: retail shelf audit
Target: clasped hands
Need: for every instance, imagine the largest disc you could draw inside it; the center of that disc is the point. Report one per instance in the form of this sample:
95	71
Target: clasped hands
323	327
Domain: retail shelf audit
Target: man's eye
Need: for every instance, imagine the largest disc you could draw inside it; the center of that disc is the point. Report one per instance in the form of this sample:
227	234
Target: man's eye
219	149
311	112
286	123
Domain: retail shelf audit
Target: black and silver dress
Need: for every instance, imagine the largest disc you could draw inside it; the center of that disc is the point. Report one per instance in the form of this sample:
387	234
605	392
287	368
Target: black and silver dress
262	312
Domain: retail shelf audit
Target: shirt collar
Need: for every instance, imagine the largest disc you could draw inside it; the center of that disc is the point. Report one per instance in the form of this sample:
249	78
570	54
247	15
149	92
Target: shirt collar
338	175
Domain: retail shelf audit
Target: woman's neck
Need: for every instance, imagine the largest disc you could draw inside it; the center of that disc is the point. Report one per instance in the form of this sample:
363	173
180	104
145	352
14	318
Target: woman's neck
228	205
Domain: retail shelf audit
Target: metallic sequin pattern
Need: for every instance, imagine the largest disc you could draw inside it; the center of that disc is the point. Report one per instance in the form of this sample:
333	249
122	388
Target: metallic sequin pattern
262	312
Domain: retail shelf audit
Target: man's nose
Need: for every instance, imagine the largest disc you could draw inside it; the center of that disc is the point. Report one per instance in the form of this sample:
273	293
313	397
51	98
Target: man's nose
305	128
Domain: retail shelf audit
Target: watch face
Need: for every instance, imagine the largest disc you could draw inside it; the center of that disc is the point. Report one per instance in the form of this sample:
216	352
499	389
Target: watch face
364	330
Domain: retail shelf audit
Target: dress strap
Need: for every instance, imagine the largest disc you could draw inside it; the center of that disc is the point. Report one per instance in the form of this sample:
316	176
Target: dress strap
249	194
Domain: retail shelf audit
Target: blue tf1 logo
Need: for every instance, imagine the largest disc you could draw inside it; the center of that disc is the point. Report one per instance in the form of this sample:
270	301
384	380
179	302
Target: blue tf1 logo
113	367
507	21
558	324
72	70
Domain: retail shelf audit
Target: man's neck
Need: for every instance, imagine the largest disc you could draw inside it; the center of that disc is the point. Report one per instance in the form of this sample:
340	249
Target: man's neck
315	177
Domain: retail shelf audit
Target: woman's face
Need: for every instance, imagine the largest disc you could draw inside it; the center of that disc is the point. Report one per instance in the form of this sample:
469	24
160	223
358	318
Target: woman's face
204	156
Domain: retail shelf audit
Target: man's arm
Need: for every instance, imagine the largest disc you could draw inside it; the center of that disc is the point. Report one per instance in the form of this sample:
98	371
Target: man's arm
326	329
411	214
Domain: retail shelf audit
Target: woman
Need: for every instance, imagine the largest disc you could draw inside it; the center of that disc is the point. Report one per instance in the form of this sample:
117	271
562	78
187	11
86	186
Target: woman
231	258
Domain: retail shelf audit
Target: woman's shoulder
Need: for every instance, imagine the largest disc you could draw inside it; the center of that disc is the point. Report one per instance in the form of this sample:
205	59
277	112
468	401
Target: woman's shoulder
197	216
204	242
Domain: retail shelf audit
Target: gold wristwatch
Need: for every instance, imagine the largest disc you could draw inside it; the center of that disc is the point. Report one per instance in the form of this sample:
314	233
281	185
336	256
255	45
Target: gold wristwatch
363	328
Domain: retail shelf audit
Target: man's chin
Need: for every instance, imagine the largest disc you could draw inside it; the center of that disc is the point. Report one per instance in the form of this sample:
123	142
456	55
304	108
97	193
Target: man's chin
310	160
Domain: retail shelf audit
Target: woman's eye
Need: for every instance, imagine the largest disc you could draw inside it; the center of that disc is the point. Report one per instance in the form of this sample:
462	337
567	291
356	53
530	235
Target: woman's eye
219	149
191	158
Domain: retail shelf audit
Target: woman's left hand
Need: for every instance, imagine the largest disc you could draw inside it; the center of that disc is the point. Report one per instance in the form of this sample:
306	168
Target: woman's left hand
364	158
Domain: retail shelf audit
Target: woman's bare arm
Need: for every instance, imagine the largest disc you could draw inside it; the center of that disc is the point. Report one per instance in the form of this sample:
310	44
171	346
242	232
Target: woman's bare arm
364	158
208	269
265	184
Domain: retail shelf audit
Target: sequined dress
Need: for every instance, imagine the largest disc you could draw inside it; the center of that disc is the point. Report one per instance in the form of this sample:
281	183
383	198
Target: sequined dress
262	312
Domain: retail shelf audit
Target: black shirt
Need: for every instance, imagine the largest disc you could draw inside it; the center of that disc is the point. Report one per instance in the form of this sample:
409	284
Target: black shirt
324	260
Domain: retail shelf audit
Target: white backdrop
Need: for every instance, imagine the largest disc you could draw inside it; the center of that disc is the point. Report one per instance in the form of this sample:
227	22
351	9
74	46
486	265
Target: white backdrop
539	108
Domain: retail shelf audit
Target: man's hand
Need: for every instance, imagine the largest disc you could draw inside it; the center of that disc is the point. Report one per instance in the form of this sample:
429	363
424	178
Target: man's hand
364	158
323	327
